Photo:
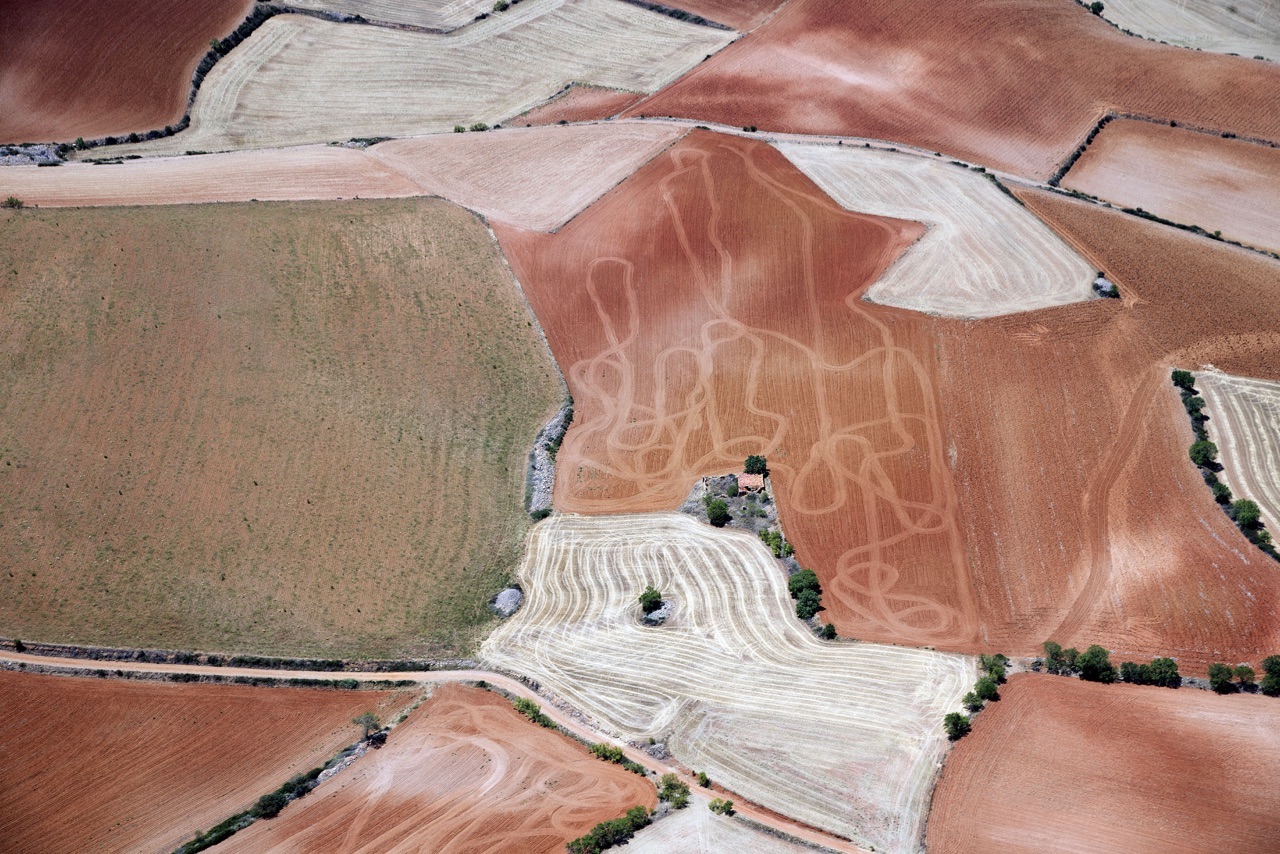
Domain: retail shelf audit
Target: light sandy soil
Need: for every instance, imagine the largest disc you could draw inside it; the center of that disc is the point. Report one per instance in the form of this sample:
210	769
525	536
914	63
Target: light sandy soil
95	68
1192	178
844	736
535	178
1246	27
579	104
465	772
111	765
1244	422
1014	84
433	14
239	427
697	830
983	255
300	80
1069	766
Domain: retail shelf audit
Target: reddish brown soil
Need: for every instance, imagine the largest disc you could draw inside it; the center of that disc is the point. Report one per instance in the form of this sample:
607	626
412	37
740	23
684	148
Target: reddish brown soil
1063	765
742	15
94	68
970	485
578	104
1014	84
465	772
112	765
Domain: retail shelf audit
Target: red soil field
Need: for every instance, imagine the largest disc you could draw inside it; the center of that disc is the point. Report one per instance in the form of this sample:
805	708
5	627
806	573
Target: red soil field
465	772
742	15
1068	766
114	765
578	104
95	68
1014	84
972	485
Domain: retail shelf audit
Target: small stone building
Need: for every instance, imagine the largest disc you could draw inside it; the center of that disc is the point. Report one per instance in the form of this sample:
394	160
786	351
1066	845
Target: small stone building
750	482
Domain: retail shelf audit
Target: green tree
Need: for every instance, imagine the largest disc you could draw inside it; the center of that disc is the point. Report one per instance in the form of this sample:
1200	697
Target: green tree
1271	676
805	579
81	145
14	203
650	599
808	603
501	6
732	489
1095	665
829	631
703	780
996	666
973	702
1096	7
1184	379
717	511
1244	675
369	721
986	689
956	725
1245	512
1203	452
674	791
1220	678
721	807
756	464
269	806
1221	492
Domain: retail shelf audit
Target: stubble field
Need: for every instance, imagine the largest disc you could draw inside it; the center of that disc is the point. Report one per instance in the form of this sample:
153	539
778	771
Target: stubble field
118	766
1244	422
290	428
733	683
441	15
95	68
301	80
1246	27
1063	765
465	772
1193	178
1014	85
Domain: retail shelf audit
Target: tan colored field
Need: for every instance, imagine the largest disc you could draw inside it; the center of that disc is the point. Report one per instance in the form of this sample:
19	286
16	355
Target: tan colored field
300	80
697	830
740	14
112	765
982	254
432	14
1246	27
465	772
278	427
1069	766
1244	422
1193	178
535	178
579	104
843	736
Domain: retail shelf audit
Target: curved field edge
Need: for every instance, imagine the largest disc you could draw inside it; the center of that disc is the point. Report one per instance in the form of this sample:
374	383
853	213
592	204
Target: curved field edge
1244	421
1241	27
845	736
240	427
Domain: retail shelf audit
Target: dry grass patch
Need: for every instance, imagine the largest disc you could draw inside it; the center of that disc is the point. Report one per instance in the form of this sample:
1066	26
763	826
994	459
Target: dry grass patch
1244	422
845	737
1246	27
286	428
983	255
300	80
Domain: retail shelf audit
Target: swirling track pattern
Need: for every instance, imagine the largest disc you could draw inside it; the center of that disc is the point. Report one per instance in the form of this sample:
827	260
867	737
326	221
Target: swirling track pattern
845	737
709	309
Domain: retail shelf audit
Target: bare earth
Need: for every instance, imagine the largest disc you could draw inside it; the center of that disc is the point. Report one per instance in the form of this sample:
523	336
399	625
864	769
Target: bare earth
1069	766
112	765
697	830
1244	422
1193	178
579	104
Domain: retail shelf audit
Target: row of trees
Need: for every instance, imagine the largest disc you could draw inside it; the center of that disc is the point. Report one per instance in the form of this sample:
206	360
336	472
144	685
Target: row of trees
607	834
1226	679
985	690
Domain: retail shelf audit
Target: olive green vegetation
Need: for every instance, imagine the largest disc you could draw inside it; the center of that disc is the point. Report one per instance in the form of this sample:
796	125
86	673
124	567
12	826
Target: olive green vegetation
289	429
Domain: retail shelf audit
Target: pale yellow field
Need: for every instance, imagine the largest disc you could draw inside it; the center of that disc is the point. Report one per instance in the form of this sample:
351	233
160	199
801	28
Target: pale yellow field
433	14
983	255
697	830
1244	422
843	736
300	80
1246	27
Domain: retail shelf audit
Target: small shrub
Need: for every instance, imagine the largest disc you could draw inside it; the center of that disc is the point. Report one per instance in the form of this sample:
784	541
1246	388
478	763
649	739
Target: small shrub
269	806
1184	379
501	6
705	782
479	127
1246	513
650	600
828	632
19	646
986	689
1203	452
956	725
721	807
14	203
674	791
1220	678
459	129
1271	676
732	490
1221	492
1244	675
1096	7
973	702
533	712
608	753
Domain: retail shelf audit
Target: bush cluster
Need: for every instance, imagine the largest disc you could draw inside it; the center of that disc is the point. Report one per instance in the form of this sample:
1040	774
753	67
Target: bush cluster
674	791
1092	665
650	599
777	543
1161	671
1075	155
720	806
805	589
607	834
609	753
533	712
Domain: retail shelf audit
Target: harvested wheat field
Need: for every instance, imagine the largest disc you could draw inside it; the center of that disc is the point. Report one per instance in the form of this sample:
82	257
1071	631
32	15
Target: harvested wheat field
1193	178
532	177
113	765
579	104
94	68
465	772
697	830
1015	85
298	79
1246	27
439	15
982	254
741	15
733	683
286	428
1244	421
709	308
1064	765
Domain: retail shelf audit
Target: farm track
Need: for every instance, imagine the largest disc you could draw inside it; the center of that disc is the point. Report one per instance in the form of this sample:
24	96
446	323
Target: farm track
733	683
1244	421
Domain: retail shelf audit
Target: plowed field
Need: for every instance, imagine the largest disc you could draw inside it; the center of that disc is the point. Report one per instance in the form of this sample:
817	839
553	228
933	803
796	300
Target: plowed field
1246	27
276	427
465	772
299	79
110	765
1193	178
579	104
740	14
982	254
1063	765
1244	421
842	736
1016	85
95	68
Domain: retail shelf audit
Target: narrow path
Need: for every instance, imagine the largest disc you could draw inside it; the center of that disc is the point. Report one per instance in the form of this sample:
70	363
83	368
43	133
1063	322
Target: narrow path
769	819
